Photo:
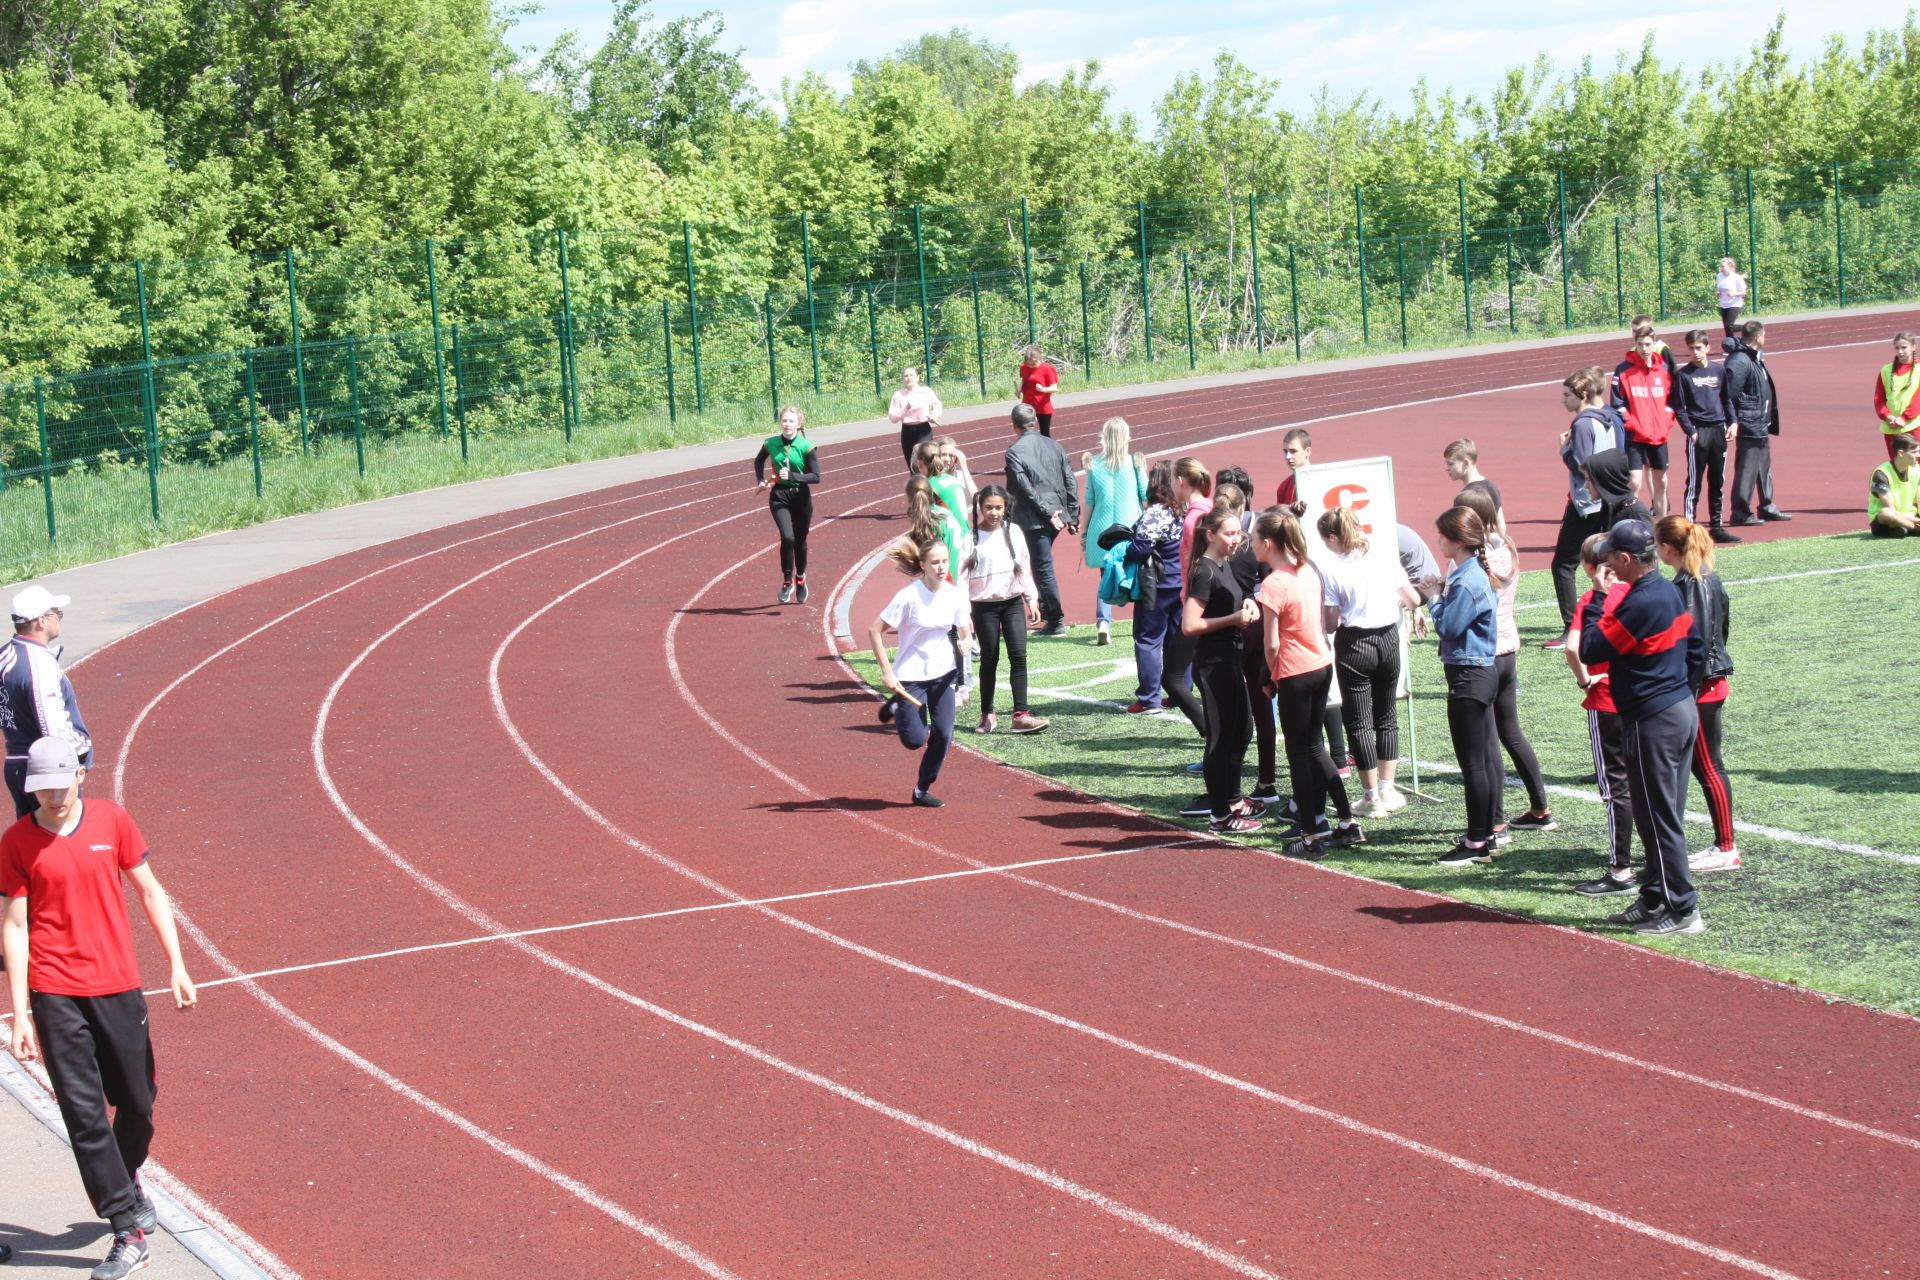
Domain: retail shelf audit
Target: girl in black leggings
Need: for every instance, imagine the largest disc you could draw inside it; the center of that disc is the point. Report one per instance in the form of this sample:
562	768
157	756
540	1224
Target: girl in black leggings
1464	618
1366	592
789	490
1006	601
1215	612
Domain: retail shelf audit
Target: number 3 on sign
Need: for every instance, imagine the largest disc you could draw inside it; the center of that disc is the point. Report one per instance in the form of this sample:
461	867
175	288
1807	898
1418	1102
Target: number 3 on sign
1351	495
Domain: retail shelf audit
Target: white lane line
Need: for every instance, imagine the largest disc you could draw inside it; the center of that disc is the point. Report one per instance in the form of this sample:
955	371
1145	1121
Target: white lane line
1771	577
1191	841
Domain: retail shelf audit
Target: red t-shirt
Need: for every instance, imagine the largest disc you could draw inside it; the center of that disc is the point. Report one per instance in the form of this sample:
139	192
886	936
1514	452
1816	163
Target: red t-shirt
1288	493
1600	696
78	940
1033	377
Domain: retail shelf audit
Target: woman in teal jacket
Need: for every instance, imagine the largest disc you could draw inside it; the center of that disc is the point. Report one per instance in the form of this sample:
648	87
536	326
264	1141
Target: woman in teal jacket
1116	490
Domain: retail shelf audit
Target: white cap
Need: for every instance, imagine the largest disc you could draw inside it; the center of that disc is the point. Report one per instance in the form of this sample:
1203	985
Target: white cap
31	602
51	765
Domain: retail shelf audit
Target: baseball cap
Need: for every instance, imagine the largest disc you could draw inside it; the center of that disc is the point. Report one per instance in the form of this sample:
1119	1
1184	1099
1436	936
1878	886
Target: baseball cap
31	601
51	764
1635	537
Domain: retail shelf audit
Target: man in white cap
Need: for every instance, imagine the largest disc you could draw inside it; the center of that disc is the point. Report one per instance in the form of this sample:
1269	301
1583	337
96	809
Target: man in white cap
36	698
76	986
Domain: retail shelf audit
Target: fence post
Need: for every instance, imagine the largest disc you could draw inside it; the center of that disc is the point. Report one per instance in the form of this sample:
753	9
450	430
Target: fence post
693	313
1619	282
147	394
1753	249
1660	245
1146	288
813	333
1253	239
1726	237
666	345
1293	287
773	367
460	391
1466	259
1513	316
979	334
353	398
1400	256
926	328
873	336
1566	263
46	455
439	354
1360	237
253	425
569	397
1086	331
1839	237
1026	247
299	363
1186	281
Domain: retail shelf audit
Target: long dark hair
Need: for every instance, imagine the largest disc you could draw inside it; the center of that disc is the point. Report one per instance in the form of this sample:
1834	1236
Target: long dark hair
1160	484
1462	526
985	492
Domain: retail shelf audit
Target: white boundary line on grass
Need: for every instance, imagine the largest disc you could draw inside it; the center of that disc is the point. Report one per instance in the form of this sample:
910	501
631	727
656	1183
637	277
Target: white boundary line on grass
1771	577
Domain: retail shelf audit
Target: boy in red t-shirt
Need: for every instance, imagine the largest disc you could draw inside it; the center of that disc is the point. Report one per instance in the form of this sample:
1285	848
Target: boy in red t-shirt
1607	735
1038	381
76	986
1297	448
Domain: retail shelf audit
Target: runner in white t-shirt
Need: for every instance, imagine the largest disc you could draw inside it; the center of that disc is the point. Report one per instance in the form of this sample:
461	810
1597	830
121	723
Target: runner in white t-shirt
932	618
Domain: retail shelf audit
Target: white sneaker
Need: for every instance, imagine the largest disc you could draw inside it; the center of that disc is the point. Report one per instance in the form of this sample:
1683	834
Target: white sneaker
1391	799
1714	858
960	695
1365	808
1103	634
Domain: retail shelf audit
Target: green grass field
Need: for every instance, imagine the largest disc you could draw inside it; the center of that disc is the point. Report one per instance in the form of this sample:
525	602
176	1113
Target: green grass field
1822	743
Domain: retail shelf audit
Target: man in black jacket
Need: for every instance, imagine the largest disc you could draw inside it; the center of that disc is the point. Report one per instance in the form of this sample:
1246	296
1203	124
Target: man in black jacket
1046	502
1753	415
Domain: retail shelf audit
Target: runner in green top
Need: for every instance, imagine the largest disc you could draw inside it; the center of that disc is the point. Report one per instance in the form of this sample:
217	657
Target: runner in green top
1893	498
789	489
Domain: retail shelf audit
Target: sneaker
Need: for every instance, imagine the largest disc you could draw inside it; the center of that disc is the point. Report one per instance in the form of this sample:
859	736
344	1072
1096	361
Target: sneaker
1197	767
1715	859
800	590
1139	708
1667	923
1266	795
128	1255
1346	770
786	593
1054	629
1391	800
6	1253
1770	514
1200	808
1558	642
1720	534
1302	847
1464	854
961	694
1348	834
1639	913
1502	836
1606	885
886	710
1368	807
1103	634
1248	807
927	800
1531	821
149	1218
1027	722
987	724
1234	825
1744	521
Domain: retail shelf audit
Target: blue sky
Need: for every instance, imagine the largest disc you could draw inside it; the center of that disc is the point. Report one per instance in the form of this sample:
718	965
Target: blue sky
1381	47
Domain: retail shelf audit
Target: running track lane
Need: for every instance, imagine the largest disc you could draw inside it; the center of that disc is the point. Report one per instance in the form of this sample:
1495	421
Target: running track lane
337	633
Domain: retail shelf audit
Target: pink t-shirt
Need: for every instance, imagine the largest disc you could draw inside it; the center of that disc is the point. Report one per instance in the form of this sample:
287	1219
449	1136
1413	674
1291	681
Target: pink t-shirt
1292	593
1197	506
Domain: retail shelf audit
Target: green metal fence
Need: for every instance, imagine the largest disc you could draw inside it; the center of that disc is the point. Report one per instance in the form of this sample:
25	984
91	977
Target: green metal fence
244	359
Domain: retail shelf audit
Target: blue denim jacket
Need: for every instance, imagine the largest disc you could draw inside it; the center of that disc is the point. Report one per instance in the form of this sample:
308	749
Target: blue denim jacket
1464	618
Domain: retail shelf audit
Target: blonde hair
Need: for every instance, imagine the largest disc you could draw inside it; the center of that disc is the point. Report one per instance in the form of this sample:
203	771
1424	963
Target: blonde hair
1461	449
1116	437
1277	525
799	415
1032	354
1590	550
1195	473
909	554
926	458
1689	541
1230	500
1586	383
1341	525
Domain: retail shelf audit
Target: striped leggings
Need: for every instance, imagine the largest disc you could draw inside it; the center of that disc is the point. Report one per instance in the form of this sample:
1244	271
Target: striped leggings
1711	773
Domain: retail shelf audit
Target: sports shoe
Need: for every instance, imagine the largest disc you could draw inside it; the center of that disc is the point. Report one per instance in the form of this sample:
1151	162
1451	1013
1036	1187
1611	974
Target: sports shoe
886	710
1103	634
1770	513
1346	770
1248	807
800	590
1392	799
927	800
1200	808
1197	767
987	723
1348	834
1369	807
1302	847
1027	722
1531	821
1234	825
1054	629
961	693
1558	642
786	593
1606	885
1266	795
1464	854
1744	521
6	1253
1667	923
1639	913
1502	836
1715	858
149	1218
128	1255
1139	708
1720	534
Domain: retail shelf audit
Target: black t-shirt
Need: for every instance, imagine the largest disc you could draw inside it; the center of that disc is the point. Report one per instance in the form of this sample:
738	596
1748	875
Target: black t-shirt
1487	487
1218	588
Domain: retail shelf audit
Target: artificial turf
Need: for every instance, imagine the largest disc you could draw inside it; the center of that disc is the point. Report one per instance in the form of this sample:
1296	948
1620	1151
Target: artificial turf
1821	741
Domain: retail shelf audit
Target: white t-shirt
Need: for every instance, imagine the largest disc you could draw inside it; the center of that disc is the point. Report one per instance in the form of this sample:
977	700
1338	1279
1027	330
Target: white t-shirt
923	618
1364	589
1733	288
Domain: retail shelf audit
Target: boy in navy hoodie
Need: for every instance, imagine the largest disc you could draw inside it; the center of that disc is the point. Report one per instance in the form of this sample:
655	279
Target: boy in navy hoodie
1703	417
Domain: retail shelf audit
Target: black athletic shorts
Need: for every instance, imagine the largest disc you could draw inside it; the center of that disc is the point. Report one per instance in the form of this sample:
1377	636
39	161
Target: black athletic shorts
1643	456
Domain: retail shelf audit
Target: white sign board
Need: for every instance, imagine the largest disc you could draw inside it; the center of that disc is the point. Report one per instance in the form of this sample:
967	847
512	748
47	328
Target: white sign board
1366	485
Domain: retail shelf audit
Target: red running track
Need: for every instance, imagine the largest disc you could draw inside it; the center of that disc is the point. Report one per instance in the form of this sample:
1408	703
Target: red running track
504	803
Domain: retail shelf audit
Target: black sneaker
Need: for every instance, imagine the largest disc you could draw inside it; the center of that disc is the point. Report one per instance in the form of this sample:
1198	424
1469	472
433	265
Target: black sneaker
1268	795
1201	808
927	800
1300	847
1348	834
1724	536
800	590
1638	914
1465	855
1531	821
1607	885
786	593
128	1255
886	711
1054	629
1667	924
1770	514
6	1253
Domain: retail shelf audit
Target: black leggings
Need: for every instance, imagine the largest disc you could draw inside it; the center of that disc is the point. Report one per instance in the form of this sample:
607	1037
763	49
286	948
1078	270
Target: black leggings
792	507
1710	770
1470	698
1176	673
1253	666
993	619
911	434
1730	320
1575	529
1367	662
1229	729
1303	707
1506	719
1046	423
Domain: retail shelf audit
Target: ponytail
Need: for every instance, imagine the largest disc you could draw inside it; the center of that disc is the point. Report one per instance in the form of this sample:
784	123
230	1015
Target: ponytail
1278	526
979	499
922	524
1689	541
1341	525
909	554
1462	526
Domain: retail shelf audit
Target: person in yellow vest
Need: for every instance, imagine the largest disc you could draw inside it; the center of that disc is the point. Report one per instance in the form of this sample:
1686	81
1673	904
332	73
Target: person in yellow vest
1894	401
1893	499
789	490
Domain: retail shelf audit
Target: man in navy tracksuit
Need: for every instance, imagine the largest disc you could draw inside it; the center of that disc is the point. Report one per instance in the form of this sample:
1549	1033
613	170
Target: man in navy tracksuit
1649	641
1701	409
36	698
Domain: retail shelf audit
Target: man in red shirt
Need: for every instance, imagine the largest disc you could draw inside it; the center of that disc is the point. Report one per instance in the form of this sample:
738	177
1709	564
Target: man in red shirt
1038	381
1644	393
1297	447
76	986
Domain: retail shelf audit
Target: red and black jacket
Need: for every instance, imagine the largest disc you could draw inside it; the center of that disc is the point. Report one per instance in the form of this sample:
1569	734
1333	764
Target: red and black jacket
1647	394
1648	641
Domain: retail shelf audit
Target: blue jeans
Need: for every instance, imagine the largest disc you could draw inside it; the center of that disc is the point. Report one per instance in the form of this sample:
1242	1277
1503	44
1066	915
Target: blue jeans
1152	620
1102	611
1040	543
929	726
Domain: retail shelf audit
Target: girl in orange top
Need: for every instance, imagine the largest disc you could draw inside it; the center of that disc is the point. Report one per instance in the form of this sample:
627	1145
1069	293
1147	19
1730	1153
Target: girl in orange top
1293	618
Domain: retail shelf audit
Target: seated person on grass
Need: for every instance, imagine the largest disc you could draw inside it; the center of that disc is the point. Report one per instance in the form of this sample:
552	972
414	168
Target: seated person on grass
1893	497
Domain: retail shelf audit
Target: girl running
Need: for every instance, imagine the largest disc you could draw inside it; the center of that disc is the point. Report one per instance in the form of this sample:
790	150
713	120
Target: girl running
1687	549
1503	563
1465	616
1608	737
928	517
1116	489
789	490
1366	594
916	410
1214	614
949	489
1292	601
1006	602
953	462
927	614
1156	549
1038	381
